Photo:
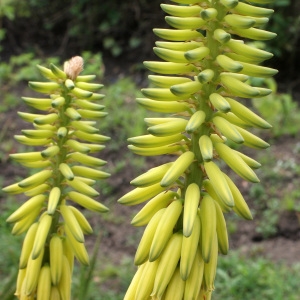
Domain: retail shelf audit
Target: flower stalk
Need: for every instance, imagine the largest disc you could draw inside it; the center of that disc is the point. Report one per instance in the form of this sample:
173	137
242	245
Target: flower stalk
65	174
206	68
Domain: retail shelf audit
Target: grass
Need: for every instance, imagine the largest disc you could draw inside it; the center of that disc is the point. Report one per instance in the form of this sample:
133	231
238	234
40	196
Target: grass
10	251
255	278
125	118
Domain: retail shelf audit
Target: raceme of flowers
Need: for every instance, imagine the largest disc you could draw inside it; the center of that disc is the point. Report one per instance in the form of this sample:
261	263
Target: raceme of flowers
203	78
65	171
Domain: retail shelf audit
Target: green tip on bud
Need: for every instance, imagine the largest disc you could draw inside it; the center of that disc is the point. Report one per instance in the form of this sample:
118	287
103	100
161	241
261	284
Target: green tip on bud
208	14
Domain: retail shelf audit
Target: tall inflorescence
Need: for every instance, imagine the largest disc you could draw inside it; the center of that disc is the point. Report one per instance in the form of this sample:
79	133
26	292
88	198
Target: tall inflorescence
65	173
205	72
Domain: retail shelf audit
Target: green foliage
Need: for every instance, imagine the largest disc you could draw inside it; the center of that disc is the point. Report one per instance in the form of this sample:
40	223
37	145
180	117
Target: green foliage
107	281
279	109
126	118
10	250
255	278
286	25
284	113
85	275
115	26
291	201
11	9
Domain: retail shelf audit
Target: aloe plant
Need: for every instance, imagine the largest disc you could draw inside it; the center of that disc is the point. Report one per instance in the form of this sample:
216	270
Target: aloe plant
207	63
64	173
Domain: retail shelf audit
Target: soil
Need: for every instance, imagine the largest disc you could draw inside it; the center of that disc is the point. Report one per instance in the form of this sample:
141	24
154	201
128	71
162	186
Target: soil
119	239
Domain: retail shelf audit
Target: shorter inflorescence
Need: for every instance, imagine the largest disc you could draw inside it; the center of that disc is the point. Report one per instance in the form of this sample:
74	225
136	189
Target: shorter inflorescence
62	183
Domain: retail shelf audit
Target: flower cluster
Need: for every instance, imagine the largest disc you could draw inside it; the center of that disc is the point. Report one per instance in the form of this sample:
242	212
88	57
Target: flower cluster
66	173
206	69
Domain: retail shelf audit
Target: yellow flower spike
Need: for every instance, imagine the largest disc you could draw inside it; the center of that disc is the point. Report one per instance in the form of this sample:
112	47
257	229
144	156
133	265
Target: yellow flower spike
205	67
71	111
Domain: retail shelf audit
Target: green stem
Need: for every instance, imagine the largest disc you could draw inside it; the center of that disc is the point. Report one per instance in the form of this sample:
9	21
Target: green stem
58	178
196	173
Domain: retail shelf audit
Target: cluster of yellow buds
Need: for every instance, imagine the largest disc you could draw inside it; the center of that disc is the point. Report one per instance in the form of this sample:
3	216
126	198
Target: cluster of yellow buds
66	173
205	65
